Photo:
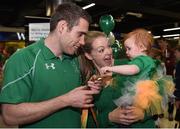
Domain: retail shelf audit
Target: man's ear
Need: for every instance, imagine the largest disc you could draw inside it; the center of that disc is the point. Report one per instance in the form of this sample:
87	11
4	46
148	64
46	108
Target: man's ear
62	25
88	56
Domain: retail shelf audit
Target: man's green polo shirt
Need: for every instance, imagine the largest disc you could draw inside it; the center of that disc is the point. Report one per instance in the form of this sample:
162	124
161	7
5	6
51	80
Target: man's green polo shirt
35	74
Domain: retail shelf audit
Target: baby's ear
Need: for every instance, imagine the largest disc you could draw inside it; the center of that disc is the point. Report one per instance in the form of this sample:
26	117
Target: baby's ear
88	56
143	48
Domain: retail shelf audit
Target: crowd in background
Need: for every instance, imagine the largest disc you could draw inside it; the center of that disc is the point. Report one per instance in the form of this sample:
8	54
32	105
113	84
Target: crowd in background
5	53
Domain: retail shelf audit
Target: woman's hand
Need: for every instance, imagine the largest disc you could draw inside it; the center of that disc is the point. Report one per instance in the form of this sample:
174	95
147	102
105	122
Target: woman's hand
127	115
118	116
134	114
95	84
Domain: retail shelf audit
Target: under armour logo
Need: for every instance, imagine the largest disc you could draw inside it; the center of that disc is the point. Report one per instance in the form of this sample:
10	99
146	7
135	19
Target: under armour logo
50	66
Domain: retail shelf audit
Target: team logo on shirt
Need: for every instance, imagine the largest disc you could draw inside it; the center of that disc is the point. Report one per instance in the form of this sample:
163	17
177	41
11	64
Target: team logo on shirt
50	66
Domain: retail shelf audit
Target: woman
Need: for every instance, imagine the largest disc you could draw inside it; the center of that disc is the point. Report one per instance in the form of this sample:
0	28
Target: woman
97	53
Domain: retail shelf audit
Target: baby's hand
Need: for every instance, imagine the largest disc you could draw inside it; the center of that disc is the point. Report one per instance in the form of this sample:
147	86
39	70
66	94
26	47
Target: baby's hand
105	70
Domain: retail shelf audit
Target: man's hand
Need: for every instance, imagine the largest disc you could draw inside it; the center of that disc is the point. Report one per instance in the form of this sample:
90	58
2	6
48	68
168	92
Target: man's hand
80	97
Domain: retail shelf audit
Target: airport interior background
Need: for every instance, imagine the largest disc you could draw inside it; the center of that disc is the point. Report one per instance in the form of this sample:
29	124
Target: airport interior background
24	21
18	16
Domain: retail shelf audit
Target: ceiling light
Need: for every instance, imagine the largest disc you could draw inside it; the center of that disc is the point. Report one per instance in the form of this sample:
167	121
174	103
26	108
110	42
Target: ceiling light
170	29
166	36
176	38
88	6
171	35
48	11
37	17
155	37
139	15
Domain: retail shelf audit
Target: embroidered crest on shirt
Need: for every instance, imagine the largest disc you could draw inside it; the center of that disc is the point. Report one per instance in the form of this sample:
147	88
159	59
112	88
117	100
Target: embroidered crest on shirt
50	66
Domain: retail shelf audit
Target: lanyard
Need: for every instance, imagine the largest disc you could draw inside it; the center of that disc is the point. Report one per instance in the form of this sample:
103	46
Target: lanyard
84	117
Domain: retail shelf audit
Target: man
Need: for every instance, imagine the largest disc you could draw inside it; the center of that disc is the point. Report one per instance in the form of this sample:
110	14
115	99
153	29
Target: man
41	82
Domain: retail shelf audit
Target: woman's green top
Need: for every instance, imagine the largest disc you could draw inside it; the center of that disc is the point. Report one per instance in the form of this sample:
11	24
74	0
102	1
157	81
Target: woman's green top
104	101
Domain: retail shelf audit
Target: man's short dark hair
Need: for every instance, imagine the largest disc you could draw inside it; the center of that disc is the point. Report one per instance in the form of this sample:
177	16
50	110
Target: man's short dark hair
70	12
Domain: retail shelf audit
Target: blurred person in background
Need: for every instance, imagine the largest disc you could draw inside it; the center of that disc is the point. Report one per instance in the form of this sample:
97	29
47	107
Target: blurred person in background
177	82
157	55
7	52
167	54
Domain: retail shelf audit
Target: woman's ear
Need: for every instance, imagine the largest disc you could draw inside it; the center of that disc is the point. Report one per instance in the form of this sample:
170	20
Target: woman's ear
88	56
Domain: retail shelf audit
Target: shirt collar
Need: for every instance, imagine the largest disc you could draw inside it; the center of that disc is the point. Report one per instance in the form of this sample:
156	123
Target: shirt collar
48	54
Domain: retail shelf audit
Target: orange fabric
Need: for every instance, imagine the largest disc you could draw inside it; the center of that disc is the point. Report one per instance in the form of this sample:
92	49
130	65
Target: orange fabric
146	93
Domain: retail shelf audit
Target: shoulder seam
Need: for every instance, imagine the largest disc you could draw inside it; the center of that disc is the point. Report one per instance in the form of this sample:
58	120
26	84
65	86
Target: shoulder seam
31	69
35	62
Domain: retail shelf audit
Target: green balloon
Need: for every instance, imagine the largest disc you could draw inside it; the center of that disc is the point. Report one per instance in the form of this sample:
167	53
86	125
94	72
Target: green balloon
118	50
111	38
106	23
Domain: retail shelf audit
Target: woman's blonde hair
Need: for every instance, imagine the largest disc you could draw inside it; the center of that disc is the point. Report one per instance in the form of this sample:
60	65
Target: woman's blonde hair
89	39
86	66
